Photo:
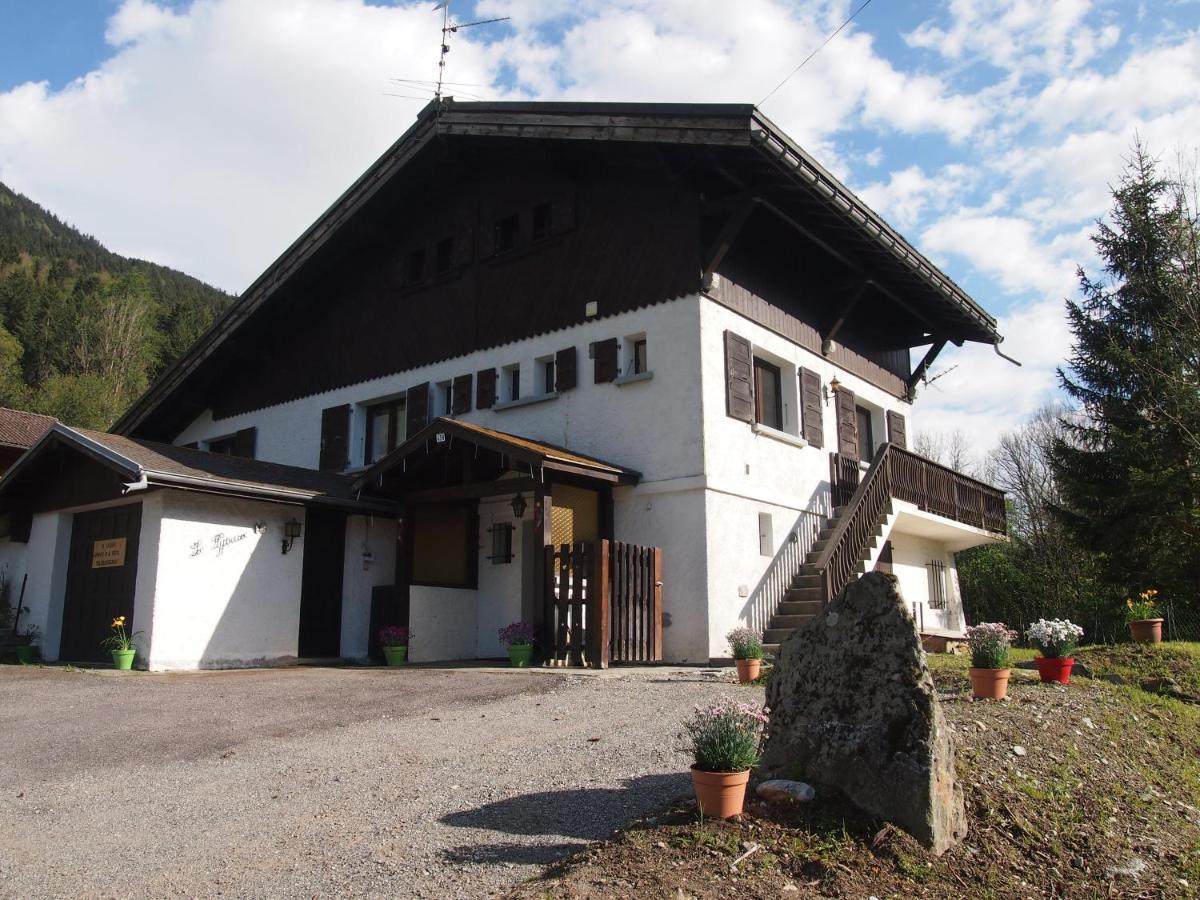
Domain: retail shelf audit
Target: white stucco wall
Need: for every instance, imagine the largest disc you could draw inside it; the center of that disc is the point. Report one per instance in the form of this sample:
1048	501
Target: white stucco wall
376	535
13	566
46	564
910	556
501	585
218	606
444	623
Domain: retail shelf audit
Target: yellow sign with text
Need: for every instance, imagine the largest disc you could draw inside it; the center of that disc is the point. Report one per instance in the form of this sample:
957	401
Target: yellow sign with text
108	554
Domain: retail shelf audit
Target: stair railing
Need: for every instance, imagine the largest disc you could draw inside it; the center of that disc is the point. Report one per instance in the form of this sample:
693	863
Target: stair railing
855	528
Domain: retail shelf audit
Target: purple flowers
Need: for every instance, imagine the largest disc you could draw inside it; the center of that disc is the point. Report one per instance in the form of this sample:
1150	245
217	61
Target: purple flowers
394	636
989	644
518	634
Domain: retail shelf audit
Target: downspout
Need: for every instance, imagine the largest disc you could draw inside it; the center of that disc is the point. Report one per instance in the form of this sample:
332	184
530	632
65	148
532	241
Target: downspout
996	347
140	485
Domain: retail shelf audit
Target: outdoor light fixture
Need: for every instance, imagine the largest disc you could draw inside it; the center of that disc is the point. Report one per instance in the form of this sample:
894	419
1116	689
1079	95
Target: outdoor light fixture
518	506
835	385
291	531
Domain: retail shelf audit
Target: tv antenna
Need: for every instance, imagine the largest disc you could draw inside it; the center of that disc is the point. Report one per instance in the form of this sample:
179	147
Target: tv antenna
449	28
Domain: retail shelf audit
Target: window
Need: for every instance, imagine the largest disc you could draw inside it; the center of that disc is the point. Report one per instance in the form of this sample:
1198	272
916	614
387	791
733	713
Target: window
414	267
506	234
938	589
866	434
226	446
639	357
444	551
240	444
501	543
385	430
543	218
768	400
546	374
444	256
512	383
444	398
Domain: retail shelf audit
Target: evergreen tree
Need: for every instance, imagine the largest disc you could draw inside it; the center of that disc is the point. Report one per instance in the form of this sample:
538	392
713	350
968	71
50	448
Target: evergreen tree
1129	475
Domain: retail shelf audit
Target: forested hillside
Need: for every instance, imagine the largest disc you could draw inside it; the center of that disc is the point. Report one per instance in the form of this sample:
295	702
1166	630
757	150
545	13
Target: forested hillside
83	331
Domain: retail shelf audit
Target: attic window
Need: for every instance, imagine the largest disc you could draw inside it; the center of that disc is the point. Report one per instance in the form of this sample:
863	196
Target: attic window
444	256
543	217
414	267
506	234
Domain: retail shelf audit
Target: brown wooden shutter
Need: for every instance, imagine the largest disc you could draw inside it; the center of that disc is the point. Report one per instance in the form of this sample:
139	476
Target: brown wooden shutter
464	249
335	438
460	394
562	211
847	424
245	442
416	407
605	355
739	373
485	389
811	413
565	369
897	430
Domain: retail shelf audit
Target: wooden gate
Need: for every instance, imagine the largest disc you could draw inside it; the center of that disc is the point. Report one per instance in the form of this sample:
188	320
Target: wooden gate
603	603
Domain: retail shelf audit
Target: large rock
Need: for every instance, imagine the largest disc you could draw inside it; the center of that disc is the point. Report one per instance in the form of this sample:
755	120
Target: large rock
853	707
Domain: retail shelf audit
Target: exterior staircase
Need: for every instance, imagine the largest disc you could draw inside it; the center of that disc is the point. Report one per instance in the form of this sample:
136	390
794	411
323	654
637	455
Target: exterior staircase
803	599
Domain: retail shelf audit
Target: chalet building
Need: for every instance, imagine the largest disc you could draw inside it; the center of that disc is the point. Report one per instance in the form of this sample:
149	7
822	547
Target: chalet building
635	373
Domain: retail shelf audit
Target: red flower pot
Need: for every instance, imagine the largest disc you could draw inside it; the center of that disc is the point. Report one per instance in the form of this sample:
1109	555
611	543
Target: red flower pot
989	684
720	794
1146	631
1055	669
748	669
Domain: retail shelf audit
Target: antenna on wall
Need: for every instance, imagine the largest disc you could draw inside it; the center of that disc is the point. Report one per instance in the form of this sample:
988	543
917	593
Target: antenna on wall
449	28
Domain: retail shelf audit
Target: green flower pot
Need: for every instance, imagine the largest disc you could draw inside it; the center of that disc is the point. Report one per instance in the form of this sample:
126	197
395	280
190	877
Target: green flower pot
519	654
27	655
395	656
123	659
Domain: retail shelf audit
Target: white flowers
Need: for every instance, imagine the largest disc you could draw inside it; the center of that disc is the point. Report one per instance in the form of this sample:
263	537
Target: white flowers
1055	637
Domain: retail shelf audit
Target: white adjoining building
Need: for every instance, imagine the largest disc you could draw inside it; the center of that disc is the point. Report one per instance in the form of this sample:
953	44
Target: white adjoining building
528	325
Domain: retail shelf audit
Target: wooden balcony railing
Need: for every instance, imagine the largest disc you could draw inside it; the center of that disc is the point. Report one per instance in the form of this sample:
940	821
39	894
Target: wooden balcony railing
901	475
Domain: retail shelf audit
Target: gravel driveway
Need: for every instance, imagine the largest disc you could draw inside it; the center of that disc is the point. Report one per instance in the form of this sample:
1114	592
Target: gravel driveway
324	782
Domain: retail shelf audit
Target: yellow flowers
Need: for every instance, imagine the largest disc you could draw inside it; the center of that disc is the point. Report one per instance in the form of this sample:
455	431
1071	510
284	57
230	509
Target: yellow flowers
1144	607
118	622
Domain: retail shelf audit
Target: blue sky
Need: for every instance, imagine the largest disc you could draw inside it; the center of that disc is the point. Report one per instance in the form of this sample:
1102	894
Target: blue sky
206	134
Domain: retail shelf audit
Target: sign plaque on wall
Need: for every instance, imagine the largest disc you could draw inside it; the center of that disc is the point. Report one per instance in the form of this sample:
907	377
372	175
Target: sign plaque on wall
108	554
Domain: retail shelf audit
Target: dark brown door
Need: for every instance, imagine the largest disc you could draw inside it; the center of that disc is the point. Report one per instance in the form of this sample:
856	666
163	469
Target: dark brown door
101	576
321	588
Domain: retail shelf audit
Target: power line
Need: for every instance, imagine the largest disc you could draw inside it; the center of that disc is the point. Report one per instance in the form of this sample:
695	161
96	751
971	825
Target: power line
835	33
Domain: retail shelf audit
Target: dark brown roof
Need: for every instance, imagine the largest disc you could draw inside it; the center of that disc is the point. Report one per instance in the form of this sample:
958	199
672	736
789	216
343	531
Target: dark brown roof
22	429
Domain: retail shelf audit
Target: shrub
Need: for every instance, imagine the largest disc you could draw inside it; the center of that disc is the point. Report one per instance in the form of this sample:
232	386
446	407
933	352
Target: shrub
1144	607
726	736
518	634
989	643
1056	638
394	636
745	643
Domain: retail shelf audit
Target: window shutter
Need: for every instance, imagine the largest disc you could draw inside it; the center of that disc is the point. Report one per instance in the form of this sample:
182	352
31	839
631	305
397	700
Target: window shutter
605	354
847	424
194	445
811	414
897	433
460	392
416	407
562	211
463	249
485	389
245	442
335	438
739	396
565	369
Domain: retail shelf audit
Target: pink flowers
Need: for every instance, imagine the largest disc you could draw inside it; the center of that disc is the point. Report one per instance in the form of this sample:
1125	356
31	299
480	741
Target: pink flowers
989	644
394	636
518	634
726	735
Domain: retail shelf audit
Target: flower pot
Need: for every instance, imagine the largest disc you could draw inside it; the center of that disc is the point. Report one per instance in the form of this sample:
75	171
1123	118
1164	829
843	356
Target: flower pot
519	655
123	659
27	655
720	794
1146	631
748	669
1055	669
395	656
989	684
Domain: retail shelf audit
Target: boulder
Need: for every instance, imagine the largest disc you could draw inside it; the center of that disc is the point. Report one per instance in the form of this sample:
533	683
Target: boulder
853	707
780	790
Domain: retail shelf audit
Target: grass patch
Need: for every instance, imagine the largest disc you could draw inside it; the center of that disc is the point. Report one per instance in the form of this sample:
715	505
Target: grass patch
1179	660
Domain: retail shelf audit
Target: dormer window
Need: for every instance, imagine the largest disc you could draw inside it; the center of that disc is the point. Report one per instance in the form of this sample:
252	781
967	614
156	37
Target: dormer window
507	230
543	219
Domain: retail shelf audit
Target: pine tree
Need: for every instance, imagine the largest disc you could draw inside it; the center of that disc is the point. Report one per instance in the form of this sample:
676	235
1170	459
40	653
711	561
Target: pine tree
1130	475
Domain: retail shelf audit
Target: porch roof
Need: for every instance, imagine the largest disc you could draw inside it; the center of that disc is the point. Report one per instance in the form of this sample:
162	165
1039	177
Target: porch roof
536	454
142	464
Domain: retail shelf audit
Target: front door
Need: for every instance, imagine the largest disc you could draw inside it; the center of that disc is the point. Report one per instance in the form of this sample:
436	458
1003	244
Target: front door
101	576
321	589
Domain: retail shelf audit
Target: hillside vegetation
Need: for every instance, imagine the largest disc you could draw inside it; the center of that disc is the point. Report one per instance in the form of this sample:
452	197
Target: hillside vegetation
83	330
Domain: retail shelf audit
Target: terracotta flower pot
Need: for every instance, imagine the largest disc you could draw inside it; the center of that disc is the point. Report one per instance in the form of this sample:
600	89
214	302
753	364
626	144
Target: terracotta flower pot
989	684
720	794
1146	631
1055	668
748	669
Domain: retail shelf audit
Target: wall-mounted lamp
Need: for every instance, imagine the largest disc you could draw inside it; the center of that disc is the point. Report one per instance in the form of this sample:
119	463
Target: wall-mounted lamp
260	527
835	385
519	506
291	531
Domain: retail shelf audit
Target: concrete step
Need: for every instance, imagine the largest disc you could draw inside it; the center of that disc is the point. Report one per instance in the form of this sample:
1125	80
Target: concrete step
776	635
804	595
771	651
802	582
798	608
780	622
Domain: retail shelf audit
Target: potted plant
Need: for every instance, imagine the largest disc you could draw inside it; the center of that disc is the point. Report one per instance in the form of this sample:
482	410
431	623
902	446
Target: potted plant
520	638
120	644
394	641
28	652
989	642
1056	638
1144	618
724	741
747	648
